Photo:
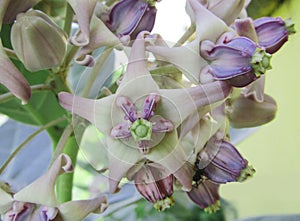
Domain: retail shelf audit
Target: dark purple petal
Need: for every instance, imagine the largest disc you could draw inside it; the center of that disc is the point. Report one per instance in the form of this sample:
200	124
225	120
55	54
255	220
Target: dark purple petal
150	104
146	22
206	195
128	108
129	17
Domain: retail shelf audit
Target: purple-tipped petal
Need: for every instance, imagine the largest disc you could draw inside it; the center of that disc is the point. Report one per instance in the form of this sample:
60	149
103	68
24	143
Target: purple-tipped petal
121	131
127	107
178	104
161	124
150	104
97	112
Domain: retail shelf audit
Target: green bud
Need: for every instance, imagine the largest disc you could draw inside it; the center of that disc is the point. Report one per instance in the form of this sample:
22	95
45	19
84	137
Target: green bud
246	112
261	62
38	42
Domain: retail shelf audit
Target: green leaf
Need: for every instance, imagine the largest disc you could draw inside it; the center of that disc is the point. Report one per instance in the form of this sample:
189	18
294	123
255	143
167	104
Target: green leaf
42	108
259	8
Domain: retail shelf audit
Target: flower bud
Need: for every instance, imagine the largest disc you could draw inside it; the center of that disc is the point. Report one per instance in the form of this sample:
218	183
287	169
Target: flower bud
206	195
130	17
156	185
38	42
16	7
273	32
246	112
226	164
240	61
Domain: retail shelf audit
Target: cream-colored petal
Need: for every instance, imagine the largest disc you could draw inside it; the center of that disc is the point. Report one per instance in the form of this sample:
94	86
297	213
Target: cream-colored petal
98	112
84	11
169	153
42	191
256	89
100	36
6	201
208	25
177	104
77	210
245	27
137	80
122	155
227	10
185	58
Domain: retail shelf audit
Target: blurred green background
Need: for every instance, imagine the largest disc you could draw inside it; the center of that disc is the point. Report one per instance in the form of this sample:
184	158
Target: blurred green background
274	150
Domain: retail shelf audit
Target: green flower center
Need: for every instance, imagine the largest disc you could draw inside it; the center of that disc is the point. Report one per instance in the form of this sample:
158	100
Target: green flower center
141	129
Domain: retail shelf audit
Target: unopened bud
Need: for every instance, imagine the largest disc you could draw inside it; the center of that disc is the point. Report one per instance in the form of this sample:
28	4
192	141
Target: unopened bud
272	33
155	184
130	17
38	42
246	112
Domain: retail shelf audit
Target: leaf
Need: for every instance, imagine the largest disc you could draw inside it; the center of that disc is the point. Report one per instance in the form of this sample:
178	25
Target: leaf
31	162
42	108
259	8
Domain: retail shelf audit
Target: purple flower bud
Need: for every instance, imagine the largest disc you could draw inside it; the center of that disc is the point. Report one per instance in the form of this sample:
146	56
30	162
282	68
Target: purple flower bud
155	184
130	17
273	32
206	195
226	164
240	61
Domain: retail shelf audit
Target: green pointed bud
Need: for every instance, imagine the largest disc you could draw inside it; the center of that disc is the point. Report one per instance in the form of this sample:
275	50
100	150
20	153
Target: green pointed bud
246	173
38	42
141	129
261	62
246	112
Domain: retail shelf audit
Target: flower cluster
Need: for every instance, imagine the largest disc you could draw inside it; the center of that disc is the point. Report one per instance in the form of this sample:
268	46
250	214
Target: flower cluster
163	132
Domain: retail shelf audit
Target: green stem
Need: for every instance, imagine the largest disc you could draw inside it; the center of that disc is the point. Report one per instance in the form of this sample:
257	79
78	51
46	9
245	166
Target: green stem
68	19
95	72
64	182
189	32
39	87
62	142
29	138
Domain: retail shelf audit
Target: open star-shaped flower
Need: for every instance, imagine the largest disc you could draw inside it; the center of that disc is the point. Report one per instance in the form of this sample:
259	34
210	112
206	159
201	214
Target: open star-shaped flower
130	134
